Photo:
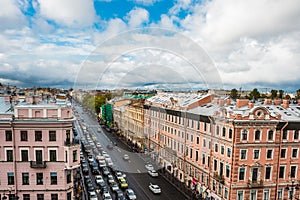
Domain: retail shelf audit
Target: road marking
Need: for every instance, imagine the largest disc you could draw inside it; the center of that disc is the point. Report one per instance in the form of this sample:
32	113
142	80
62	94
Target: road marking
119	150
138	171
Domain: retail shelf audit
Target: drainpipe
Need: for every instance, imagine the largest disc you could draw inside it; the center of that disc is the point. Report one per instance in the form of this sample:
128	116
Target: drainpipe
278	158
15	157
232	159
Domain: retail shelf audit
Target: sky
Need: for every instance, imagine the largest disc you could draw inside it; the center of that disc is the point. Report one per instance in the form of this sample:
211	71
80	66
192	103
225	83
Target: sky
150	44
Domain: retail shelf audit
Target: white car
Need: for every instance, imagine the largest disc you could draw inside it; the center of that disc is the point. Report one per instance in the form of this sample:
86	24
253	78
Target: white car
102	163
153	173
154	188
130	194
120	175
99	179
149	167
93	196
110	178
126	157
91	158
106	196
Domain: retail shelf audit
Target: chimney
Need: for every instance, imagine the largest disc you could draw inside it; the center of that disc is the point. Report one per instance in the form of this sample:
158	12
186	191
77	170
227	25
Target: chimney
268	101
228	101
285	103
277	101
241	102
250	105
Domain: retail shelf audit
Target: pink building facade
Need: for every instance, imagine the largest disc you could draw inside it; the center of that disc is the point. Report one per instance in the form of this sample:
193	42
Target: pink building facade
226	149
39	157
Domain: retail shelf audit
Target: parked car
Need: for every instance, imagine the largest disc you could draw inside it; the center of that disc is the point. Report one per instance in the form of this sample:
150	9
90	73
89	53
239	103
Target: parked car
154	188
120	195
95	170
90	187
99	179
153	173
114	186
149	166
103	188
105	171
85	170
110	178
120	175
93	195
130	194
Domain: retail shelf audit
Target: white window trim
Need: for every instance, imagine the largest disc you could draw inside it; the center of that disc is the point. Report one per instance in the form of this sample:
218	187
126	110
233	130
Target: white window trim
282	190
264	194
268	135
34	156
244	174
255	194
53	148
258	154
270	173
296	174
297	153
287	136
271	155
284	154
237	194
241	154
242	135
230	152
260	133
223	148
5	150
24	148
283	170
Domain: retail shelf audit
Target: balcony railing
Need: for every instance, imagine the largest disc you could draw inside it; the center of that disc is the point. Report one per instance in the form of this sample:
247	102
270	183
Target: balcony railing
219	178
38	164
255	184
72	143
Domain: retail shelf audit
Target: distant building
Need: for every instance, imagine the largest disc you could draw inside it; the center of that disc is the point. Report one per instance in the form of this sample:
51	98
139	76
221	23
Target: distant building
39	156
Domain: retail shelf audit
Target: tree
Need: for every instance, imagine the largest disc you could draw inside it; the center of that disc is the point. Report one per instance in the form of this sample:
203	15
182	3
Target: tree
254	94
273	94
234	93
281	92
298	93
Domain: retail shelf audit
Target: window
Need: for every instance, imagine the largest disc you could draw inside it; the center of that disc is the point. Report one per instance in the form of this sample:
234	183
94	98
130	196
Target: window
256	154
228	152
284	135
40	196
294	153
197	140
224	132
266	195
281	171
243	154
227	171
280	193
26	196
216	147
268	173
269	153
244	136
54	196
220	189
218	130
52	136
241	173
240	195
270	135
214	185
53	176
24	155
226	193
191	153
282	153
68	176
38	135
25	178
24	136
293	171
10	178
230	134
52	155
296	134
215	165
204	143
8	135
9	155
39	179
253	194
197	156
257	135
222	149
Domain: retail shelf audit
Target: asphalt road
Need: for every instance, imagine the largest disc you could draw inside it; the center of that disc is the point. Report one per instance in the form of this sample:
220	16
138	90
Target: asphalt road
135	170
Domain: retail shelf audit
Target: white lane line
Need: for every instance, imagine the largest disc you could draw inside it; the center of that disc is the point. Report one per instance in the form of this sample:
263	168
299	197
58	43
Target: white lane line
119	150
138	171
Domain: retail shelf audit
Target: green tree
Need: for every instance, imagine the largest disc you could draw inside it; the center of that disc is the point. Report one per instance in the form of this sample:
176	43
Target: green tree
298	93
273	94
234	93
281	92
254	94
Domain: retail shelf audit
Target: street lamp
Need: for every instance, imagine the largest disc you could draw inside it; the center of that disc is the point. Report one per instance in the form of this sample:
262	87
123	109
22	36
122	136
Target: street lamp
292	188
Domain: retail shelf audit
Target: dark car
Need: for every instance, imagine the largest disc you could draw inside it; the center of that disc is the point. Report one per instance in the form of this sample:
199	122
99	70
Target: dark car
95	170
103	187
94	163
85	170
105	171
87	179
120	195
90	187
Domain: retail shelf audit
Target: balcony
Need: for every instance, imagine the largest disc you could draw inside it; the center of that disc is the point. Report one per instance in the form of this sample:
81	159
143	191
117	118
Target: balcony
255	184
38	164
219	178
71	143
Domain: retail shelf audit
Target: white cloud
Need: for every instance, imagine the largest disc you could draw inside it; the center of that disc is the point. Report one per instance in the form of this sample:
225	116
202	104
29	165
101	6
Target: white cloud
10	15
78	13
137	17
145	2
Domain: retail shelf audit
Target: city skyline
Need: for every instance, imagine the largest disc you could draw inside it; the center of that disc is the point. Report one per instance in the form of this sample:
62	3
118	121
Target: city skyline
67	43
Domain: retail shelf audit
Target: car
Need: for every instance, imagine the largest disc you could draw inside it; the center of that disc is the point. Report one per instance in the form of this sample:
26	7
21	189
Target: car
153	173
123	184
120	175
105	171
85	170
109	163
149	166
90	187
154	188
114	186
87	179
106	196
95	170
98	145
120	195
110	147
130	194
99	179
126	157
93	164
91	158
93	195
103	187
102	163
110	178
